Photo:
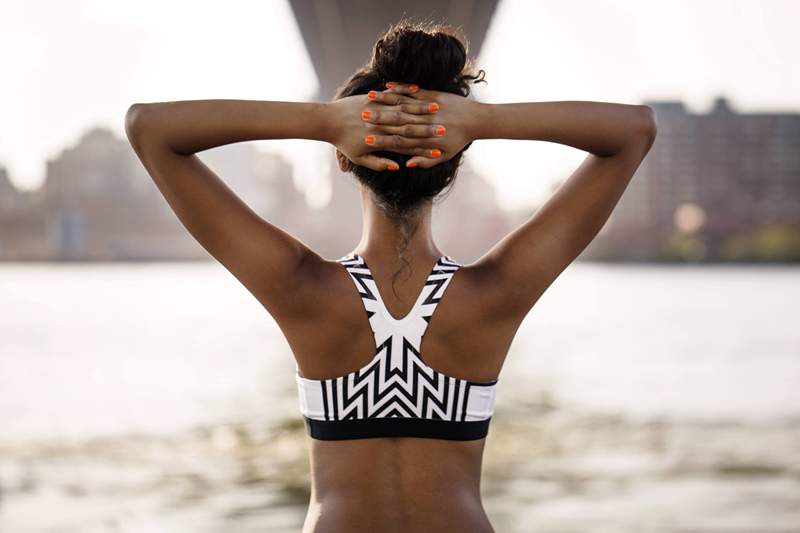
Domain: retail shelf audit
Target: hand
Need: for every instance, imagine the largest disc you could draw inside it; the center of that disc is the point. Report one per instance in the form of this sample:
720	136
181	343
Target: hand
455	116
354	121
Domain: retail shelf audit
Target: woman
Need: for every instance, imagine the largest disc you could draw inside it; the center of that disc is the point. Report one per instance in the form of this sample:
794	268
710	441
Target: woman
397	425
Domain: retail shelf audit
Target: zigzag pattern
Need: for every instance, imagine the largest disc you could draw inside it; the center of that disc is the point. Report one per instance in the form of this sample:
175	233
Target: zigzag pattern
397	383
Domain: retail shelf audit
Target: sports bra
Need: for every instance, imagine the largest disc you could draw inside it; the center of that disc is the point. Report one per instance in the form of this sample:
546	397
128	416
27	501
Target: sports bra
397	394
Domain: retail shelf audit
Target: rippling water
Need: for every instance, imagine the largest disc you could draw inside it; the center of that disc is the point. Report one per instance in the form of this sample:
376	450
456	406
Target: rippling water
635	398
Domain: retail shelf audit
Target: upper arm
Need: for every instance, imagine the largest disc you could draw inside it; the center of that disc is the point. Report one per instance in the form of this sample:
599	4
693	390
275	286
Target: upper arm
530	258
267	260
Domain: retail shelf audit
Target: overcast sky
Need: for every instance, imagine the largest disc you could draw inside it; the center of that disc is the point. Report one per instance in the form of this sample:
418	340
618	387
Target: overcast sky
71	64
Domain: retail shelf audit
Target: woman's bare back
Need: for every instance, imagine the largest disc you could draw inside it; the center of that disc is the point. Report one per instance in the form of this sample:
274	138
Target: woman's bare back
400	483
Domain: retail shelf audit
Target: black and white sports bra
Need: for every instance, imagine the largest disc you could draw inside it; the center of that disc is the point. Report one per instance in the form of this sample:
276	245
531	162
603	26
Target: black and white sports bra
397	394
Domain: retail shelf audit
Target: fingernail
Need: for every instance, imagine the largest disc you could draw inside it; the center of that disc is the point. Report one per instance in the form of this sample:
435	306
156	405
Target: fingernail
366	114
369	139
433	107
412	164
389	84
394	166
439	130
372	95
436	153
414	88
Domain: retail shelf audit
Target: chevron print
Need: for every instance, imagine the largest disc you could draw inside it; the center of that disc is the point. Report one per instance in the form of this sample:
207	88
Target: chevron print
397	393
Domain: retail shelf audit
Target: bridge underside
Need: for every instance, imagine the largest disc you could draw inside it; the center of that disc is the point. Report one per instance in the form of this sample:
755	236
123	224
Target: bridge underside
339	34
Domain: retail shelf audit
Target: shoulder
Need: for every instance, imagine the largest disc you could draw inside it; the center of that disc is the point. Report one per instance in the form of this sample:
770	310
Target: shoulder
320	284
489	293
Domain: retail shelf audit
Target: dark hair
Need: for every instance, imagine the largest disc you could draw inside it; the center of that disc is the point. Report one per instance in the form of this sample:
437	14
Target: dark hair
434	57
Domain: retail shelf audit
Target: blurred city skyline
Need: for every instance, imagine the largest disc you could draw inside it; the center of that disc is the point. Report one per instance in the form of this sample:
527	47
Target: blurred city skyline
717	186
64	82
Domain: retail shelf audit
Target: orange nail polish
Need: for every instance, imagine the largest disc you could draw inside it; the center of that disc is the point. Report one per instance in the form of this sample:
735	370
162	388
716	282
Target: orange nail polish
394	166
436	153
366	114
433	107
369	139
439	130
389	84
372	95
414	88
413	164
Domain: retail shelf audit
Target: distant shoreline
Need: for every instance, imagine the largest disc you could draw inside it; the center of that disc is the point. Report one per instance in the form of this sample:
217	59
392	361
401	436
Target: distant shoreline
632	262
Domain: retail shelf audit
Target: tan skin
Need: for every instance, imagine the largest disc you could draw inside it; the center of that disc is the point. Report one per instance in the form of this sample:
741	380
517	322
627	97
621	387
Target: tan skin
393	484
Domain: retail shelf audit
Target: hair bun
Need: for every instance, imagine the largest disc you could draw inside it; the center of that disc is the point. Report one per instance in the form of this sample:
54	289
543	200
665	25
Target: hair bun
431	58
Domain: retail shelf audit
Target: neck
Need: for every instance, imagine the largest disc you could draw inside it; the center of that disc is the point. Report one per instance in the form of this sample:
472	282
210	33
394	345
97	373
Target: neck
381	235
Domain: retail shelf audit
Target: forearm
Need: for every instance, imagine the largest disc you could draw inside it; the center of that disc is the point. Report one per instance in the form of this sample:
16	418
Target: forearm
191	126
597	127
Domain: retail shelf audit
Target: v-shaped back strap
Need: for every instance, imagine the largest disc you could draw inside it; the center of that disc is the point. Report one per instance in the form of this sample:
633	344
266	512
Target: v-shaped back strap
414	324
435	285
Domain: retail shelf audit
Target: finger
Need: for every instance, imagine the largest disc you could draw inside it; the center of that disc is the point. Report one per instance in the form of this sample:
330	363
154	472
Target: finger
391	142
404	145
377	163
389	98
419	108
422	162
430	153
412	151
411	89
395	116
416	131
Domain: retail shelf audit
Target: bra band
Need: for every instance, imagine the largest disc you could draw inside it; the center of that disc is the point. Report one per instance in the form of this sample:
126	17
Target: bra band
396	427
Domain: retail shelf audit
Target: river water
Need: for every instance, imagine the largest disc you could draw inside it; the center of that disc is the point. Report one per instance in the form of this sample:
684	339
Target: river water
133	397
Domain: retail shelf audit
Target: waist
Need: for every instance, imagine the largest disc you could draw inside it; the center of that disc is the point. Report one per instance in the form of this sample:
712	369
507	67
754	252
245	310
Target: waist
408	479
447	514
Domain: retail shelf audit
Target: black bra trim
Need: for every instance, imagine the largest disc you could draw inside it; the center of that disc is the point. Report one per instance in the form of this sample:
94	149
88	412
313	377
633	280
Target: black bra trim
366	428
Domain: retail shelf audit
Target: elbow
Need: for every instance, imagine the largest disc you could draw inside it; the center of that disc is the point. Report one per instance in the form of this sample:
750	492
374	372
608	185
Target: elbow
647	128
135	120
